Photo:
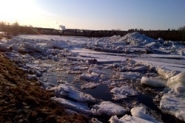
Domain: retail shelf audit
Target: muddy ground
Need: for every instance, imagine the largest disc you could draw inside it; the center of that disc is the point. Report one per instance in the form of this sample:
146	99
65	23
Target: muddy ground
24	101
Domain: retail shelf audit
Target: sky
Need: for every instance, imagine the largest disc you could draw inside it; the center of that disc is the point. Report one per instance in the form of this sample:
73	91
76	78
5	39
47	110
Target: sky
95	14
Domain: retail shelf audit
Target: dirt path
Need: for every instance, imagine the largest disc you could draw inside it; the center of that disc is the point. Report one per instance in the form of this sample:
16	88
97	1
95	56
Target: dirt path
23	101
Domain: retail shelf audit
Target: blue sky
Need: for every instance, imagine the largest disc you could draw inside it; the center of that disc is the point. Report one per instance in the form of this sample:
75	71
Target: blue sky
105	14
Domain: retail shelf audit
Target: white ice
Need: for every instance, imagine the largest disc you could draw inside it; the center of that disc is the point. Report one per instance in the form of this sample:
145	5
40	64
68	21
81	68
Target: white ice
173	104
77	106
123	92
89	85
67	90
153	81
108	108
140	112
128	119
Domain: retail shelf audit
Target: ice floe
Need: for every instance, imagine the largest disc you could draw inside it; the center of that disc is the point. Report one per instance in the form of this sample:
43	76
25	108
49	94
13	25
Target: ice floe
89	85
128	119
77	106
108	108
179	78
123	92
154	81
66	90
166	73
140	112
139	115
173	104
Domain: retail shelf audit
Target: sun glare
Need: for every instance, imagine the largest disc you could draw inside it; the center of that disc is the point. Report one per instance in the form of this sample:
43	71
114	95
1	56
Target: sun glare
17	10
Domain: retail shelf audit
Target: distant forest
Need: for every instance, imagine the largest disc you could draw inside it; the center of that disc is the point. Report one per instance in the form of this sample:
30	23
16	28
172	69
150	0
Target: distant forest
15	29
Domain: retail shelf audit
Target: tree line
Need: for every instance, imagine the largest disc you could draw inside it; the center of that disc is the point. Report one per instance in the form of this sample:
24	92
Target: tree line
15	29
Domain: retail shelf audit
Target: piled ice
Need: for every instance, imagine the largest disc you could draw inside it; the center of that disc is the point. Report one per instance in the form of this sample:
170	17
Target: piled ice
137	43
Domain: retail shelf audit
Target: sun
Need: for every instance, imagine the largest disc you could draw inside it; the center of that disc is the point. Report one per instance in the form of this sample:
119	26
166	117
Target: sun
16	10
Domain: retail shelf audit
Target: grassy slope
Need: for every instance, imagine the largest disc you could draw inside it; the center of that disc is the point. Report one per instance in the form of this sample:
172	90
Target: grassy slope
24	101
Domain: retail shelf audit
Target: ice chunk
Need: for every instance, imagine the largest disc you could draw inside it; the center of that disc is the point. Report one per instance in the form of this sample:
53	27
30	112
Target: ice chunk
140	112
166	73
179	78
108	108
173	104
179	89
89	85
129	75
89	77
70	91
128	119
154	82
135	68
123	92
77	106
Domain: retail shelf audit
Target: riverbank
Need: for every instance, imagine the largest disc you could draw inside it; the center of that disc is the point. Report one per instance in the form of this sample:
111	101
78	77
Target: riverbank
23	100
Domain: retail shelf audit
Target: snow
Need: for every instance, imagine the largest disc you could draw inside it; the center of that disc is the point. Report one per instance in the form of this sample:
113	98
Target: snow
108	108
123	92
